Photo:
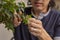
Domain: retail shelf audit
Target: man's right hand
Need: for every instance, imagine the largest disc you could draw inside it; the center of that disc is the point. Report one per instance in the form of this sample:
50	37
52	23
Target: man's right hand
17	19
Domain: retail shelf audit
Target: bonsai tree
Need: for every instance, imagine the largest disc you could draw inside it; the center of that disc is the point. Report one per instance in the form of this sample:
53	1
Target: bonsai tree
7	8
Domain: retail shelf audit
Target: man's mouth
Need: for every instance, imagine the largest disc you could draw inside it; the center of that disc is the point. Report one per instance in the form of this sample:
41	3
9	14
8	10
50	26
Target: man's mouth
38	4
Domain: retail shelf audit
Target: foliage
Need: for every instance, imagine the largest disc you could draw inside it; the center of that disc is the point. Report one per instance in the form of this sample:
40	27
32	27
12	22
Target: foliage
7	8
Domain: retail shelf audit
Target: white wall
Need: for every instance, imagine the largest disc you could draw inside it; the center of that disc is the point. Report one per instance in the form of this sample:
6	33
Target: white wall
4	33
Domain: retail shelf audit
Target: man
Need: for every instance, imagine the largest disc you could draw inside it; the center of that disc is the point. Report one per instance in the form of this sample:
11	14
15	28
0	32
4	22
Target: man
44	24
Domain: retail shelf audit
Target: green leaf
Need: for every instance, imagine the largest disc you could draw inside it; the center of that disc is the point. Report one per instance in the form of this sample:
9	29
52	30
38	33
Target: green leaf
7	8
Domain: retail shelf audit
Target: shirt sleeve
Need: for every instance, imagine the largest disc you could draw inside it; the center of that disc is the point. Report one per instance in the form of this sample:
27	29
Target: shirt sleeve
56	38
57	30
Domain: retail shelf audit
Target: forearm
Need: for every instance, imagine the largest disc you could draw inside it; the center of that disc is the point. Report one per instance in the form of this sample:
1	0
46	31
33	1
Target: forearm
44	36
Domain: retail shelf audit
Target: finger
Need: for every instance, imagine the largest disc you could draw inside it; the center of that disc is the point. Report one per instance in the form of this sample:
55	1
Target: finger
34	25
16	24
19	18
35	32
17	15
35	21
20	12
31	29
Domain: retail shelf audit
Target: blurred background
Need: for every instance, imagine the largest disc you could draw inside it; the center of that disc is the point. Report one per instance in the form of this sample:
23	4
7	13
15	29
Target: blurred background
8	35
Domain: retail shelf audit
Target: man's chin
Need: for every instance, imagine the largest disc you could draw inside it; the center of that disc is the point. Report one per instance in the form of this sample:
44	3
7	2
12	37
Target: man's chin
39	8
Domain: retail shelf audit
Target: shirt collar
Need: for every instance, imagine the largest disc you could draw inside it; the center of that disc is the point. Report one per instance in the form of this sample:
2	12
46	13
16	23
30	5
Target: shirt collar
42	15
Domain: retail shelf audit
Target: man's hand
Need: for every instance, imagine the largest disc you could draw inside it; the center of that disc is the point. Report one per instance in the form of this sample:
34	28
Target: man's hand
36	28
17	19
